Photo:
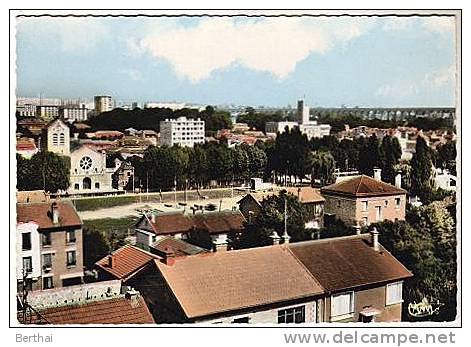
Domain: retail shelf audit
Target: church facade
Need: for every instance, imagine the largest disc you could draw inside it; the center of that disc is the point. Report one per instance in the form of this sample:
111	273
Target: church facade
58	138
88	172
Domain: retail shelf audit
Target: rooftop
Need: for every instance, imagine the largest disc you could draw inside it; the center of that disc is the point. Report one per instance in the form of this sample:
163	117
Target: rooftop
348	262
174	223
41	213
362	186
212	283
116	310
179	247
126	261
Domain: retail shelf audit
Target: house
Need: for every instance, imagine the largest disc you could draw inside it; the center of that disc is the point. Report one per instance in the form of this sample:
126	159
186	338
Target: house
217	225
123	177
347	279
49	245
95	303
362	200
250	204
26	147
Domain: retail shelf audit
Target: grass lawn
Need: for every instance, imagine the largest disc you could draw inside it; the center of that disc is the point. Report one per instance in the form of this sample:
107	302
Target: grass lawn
107	225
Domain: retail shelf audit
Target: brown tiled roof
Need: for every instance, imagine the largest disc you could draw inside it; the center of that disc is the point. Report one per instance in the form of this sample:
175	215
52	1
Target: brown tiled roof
218	282
213	222
306	195
119	310
347	262
180	247
41	214
126	261
362	186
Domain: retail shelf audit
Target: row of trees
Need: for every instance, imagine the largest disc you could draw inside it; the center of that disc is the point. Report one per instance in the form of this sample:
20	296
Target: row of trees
44	171
150	118
165	167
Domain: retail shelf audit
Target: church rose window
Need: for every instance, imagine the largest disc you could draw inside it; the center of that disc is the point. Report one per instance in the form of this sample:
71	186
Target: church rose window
86	163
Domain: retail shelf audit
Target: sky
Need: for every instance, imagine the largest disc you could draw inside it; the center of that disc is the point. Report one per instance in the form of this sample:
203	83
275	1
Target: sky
271	61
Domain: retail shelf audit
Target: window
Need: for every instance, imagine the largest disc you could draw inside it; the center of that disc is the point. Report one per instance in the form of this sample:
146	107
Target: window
292	315
339	203
48	283
61	139
386	202
97	185
394	293
398	202
26	241
341	305
364	205
70	236
47	261
76	186
241	320
364	221
71	258
46	239
28	264
54	139
86	163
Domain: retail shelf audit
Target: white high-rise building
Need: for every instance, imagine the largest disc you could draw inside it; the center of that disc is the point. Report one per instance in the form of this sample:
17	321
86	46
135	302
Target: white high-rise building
303	112
182	131
74	114
103	103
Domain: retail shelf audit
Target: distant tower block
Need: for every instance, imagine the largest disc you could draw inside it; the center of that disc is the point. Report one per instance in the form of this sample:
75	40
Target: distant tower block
302	112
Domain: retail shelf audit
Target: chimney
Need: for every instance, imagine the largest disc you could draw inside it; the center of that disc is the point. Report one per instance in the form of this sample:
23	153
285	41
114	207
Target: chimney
285	237
133	296
377	174
275	238
169	256
374	239
220	243
398	180
111	261
54	213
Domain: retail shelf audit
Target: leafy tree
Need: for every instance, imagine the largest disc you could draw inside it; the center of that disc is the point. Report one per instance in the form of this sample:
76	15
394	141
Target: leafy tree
95	247
421	170
446	156
370	156
271	218
426	245
323	166
44	171
392	153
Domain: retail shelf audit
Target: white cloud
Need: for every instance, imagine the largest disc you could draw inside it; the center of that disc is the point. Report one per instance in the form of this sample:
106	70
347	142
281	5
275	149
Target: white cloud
404	88
273	45
73	34
442	25
398	23
132	74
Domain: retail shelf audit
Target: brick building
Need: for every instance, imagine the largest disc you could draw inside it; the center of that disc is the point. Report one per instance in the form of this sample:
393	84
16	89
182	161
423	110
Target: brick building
49	245
362	200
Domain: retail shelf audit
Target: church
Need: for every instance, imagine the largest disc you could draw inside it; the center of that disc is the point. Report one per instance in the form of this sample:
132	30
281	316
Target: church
88	172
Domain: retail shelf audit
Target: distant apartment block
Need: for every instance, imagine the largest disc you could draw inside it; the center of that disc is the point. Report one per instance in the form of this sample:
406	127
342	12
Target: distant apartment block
103	103
26	110
47	112
74	114
182	131
311	130
49	245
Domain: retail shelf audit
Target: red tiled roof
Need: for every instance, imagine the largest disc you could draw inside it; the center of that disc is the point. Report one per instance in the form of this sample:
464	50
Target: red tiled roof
126	261
180	247
362	186
40	213
210	283
111	311
306	195
214	223
348	262
25	146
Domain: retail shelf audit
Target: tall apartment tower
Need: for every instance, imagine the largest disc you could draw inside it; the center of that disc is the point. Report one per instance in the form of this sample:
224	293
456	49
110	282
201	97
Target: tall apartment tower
183	131
302	112
103	103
